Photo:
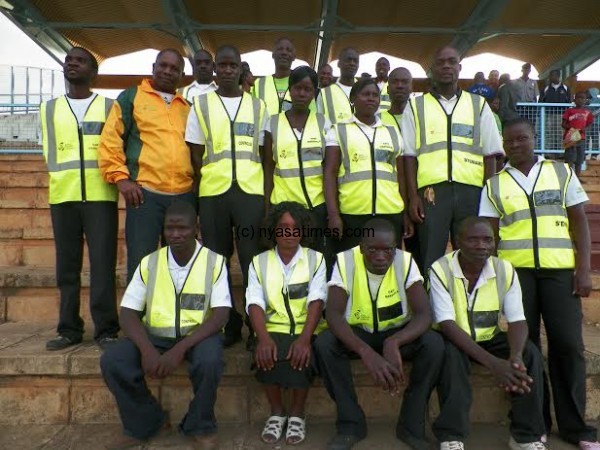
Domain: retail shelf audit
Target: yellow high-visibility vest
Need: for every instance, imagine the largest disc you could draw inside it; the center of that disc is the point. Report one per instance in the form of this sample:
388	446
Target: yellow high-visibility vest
298	175
449	147
336	104
534	229
390	309
171	314
266	90
389	119
384	98
286	310
71	152
481	318
231	150
368	177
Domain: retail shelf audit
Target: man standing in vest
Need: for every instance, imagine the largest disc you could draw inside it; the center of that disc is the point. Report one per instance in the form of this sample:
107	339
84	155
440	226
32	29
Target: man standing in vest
225	132
378	311
382	68
173	310
204	66
143	152
470	290
334	100
273	89
451	139
535	206
81	202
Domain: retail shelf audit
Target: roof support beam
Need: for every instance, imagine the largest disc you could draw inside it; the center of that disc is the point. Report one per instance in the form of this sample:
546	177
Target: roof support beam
326	32
580	57
186	29
28	18
484	12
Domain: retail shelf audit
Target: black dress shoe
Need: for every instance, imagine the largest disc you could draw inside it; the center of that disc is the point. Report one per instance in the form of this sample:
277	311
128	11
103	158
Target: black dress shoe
61	342
343	442
106	341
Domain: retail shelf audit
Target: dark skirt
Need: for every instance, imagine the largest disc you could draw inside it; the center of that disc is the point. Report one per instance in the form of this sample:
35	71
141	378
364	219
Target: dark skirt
282	374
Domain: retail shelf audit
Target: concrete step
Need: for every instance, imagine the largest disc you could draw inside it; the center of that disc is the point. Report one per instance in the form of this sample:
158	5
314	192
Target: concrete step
65	387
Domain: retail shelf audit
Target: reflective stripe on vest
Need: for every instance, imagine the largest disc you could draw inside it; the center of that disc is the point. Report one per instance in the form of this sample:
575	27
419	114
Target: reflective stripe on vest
480	318
460	160
384	97
538	241
267	92
286	310
298	173
336	104
170	314
368	177
390	308
231	150
71	152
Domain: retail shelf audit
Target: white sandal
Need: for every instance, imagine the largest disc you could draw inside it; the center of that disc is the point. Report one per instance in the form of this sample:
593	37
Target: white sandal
296	429
273	427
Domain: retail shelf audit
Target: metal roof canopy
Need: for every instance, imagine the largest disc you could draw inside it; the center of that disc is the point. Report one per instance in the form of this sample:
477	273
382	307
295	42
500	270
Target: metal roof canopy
542	32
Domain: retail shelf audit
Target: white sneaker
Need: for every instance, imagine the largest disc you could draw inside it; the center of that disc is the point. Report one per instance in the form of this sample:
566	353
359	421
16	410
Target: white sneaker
452	445
514	445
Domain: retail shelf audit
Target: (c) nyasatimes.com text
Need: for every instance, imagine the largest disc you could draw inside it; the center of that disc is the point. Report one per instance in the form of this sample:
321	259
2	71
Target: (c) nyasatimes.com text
304	232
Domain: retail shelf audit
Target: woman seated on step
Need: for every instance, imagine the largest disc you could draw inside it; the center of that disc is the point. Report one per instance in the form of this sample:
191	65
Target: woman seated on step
285	299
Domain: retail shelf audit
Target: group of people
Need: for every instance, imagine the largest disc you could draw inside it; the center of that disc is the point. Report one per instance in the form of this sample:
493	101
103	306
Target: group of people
336	182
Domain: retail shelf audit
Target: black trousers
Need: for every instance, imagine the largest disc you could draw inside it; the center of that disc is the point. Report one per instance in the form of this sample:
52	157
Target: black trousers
453	203
354	224
144	225
140	412
427	356
234	215
98	222
548	294
454	390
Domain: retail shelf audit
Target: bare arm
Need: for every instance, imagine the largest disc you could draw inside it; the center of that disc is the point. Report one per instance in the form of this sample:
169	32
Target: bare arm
268	167
489	167
197	153
408	225
417	213
420	320
132	328
580	231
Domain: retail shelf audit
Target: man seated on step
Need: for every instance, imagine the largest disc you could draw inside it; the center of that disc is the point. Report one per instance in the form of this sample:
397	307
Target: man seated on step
173	309
470	289
378	311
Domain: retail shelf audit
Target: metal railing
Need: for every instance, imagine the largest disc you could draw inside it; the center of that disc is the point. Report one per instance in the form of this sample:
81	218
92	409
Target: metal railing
547	118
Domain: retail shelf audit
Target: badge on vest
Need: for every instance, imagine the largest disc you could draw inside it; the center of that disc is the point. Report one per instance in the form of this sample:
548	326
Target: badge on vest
462	130
548	197
194	302
243	129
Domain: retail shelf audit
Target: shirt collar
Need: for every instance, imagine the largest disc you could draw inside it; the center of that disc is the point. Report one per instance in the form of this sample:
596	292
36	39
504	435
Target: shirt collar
486	273
198	85
146	86
377	123
438	96
539	160
173	264
297	257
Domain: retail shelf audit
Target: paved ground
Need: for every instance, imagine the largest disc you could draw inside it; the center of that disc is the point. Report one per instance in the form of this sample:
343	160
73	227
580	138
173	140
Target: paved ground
95	437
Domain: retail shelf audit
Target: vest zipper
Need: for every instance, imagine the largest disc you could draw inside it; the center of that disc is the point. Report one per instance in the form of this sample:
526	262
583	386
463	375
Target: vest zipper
373	176
374	305
301	166
470	311
288	308
449	127
82	165
178	315
233	162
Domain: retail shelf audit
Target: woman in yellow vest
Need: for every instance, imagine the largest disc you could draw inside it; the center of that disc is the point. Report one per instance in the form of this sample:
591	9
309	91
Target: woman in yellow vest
364	174
284	299
294	152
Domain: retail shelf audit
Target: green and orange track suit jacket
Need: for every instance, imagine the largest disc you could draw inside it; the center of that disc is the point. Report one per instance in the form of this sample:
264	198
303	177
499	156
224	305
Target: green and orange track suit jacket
144	140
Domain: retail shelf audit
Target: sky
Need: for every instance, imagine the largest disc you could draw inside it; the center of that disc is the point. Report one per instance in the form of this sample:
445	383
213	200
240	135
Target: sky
17	49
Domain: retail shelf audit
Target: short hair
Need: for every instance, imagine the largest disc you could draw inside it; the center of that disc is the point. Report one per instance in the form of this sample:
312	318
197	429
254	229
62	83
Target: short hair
346	50
302	216
439	50
557	71
472	221
93	60
283	38
175	52
228	47
360	85
378	225
325	65
519	121
184	209
383	58
300	73
586	93
203	50
399	69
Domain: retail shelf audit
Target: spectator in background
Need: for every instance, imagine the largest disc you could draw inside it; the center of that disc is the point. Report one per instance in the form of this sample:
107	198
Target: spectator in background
246	79
507	109
578	118
524	89
365	75
325	76
555	92
479	87
204	67
382	69
494	79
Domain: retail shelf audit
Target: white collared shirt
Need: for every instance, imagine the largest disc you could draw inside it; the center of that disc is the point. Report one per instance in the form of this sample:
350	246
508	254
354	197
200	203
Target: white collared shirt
574	196
135	294
443	306
196	89
255	294
491	141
